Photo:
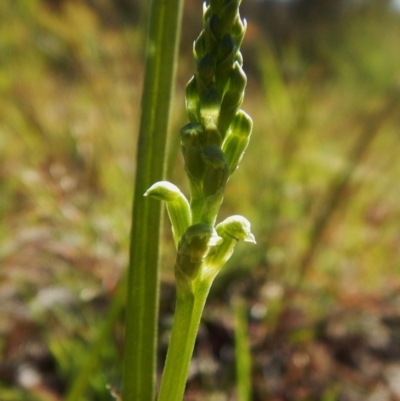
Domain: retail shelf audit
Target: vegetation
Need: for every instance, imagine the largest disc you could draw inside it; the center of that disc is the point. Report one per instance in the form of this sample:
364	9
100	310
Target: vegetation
319	184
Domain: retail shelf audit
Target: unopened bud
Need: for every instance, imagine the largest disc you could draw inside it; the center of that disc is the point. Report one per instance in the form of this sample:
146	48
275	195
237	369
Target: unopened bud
237	140
236	227
193	248
230	13
225	48
207	11
216	26
238	31
216	6
215	178
206	70
210	38
237	79
239	58
232	99
210	104
231	230
192	149
216	174
177	206
226	58
192	101
199	46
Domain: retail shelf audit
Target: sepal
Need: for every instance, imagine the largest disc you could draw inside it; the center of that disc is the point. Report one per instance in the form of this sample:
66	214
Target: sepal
237	140
177	206
233	98
215	179
231	230
210	104
236	227
192	149
192	100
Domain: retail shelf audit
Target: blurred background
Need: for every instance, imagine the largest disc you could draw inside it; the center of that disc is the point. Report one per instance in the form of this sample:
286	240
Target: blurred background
319	182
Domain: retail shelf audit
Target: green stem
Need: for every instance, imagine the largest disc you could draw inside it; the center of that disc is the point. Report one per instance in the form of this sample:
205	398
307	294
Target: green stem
188	310
143	282
196	207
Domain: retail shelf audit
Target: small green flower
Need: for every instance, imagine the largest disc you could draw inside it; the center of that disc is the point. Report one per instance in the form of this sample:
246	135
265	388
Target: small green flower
205	73
192	101
193	248
233	98
177	206
231	230
237	139
192	149
210	104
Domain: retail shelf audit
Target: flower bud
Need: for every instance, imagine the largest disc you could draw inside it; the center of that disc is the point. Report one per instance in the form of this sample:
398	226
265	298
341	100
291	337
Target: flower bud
238	31
210	38
165	191
236	227
199	46
215	26
216	6
193	248
192	148
237	140
207	12
226	58
239	58
192	101
225	48
206	70
216	174
230	106
230	13
177	206
231	230
215	178
232	99
237	79
210	104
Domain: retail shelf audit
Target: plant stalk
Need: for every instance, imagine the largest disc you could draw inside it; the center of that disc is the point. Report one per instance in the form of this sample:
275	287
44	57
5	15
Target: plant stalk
188	311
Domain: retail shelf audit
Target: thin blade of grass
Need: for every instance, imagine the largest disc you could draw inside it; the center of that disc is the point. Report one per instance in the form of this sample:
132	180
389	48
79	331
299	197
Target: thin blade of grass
242	349
143	280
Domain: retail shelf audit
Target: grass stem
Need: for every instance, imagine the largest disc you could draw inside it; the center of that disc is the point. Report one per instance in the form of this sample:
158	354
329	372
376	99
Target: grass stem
143	281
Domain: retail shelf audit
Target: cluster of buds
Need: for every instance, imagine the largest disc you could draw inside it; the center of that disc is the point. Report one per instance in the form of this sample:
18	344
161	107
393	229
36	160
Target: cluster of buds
212	144
218	133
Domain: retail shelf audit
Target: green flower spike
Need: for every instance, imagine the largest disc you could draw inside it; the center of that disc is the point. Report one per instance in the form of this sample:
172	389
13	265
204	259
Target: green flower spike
177	206
212	145
193	248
